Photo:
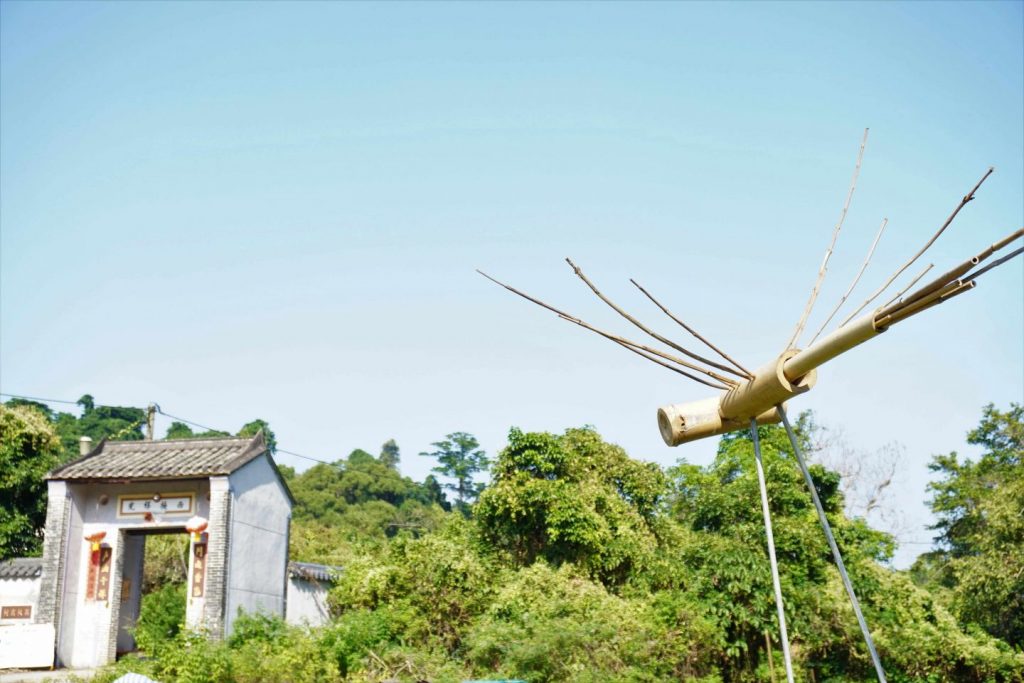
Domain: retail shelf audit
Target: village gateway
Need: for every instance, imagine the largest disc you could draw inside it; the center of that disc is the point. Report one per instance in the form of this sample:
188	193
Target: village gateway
226	494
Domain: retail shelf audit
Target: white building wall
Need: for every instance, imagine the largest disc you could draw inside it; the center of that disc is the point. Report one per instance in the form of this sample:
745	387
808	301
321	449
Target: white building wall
19	592
69	583
258	553
307	602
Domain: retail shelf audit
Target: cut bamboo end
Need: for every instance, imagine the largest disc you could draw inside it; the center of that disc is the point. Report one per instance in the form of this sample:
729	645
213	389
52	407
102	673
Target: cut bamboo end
684	422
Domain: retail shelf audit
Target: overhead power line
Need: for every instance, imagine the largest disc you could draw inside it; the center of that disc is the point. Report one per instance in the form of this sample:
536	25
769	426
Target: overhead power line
42	400
167	415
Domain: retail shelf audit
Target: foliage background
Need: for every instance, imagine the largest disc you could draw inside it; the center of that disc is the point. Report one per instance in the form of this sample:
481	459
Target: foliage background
578	563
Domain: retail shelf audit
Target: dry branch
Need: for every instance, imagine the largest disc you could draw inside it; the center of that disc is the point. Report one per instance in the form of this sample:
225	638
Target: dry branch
622	341
953	275
664	340
963	202
912	283
853	284
692	331
828	252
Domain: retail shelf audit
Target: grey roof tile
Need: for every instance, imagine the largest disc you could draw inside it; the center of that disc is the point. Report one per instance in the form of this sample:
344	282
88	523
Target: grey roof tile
313	572
175	459
21	568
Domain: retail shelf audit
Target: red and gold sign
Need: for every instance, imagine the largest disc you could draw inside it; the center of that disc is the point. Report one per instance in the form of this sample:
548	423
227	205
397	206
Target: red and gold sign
198	569
16	612
103	582
90	577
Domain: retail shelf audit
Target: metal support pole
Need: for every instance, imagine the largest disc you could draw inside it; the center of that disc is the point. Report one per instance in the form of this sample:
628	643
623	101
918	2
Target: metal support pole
783	636
835	549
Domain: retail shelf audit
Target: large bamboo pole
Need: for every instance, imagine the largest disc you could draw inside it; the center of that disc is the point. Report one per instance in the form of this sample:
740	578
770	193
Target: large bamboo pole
794	372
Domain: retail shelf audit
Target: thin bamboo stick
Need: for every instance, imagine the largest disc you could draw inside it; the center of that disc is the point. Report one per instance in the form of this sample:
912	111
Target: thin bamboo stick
871	251
912	283
664	340
691	330
971	277
963	202
955	273
622	341
828	252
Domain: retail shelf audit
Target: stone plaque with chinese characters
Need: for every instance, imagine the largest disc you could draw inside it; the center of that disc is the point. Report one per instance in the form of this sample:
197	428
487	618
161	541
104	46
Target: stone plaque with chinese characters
156	504
198	569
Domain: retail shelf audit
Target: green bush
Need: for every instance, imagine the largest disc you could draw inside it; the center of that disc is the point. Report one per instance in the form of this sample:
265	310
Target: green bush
161	617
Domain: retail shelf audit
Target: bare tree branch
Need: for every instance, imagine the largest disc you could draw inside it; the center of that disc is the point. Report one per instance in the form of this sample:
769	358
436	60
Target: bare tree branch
631	345
963	202
692	331
871	251
664	340
828	252
912	283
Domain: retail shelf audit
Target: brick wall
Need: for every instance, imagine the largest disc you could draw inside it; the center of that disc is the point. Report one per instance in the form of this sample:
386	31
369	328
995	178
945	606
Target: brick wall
217	556
58	510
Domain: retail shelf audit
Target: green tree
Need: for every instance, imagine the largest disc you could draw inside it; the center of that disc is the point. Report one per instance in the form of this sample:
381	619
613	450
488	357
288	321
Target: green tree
250	429
979	508
722	560
389	454
572	498
29	449
364	497
107	422
460	458
180	430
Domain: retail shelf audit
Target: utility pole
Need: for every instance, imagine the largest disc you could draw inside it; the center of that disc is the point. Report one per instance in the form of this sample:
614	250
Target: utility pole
150	420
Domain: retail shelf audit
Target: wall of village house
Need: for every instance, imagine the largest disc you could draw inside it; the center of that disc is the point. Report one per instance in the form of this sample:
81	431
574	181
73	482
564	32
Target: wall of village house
307	601
258	564
19	592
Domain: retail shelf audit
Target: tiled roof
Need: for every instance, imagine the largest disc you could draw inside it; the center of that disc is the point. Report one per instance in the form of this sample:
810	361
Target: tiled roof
175	459
313	572
21	568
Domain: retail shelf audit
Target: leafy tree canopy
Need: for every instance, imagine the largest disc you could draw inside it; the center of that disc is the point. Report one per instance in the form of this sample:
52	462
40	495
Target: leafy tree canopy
29	448
460	458
979	507
572	498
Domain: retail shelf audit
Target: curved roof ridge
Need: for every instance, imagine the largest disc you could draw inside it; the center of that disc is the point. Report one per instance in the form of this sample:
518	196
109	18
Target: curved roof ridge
165	459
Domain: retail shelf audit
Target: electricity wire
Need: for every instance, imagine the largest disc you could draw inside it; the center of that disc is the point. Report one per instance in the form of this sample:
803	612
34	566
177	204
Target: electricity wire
159	410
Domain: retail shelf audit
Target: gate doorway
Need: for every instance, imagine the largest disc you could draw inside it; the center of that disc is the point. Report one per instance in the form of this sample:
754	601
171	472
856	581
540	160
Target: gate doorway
153	560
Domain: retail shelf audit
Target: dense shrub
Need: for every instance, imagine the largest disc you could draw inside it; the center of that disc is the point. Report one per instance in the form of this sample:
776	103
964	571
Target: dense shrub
580	565
161	616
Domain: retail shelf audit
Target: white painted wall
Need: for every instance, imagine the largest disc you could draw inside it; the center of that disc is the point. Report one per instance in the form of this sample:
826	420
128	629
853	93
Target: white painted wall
28	646
70	596
90	633
258	552
20	592
307	602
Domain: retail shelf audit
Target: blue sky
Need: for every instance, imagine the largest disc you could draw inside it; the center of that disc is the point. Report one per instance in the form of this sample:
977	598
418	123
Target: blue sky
244	210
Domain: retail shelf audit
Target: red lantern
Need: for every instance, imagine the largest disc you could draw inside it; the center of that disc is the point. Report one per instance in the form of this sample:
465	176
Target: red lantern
94	541
196	526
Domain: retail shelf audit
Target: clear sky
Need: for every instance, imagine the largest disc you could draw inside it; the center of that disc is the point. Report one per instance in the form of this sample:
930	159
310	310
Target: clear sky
242	210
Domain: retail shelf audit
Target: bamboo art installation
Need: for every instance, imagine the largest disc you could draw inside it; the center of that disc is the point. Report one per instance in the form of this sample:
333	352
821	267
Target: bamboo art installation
748	399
